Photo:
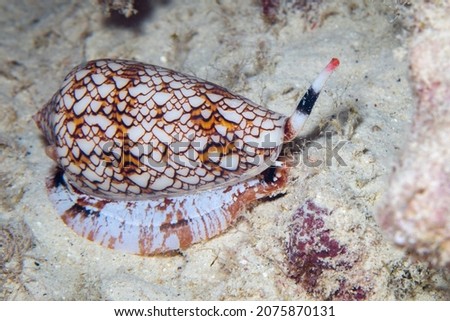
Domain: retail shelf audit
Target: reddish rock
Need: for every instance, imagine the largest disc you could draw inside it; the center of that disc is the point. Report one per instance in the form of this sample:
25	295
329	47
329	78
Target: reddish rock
311	251
416	211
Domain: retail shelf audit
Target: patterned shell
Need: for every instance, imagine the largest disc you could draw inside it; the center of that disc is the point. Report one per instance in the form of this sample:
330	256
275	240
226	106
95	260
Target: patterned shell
126	130
152	161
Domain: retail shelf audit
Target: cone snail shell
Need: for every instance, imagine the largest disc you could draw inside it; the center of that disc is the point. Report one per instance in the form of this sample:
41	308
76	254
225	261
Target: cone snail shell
150	160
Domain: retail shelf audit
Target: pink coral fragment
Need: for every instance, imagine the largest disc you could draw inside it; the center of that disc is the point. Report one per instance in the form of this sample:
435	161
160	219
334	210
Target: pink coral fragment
310	248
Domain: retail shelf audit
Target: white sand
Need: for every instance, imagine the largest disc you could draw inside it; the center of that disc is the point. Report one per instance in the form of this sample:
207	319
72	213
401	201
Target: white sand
230	45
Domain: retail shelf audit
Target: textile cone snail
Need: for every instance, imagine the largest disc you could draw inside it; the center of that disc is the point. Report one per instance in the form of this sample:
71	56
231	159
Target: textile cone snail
150	160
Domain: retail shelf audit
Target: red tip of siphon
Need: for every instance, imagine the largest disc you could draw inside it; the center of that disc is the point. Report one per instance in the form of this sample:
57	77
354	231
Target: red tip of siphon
333	64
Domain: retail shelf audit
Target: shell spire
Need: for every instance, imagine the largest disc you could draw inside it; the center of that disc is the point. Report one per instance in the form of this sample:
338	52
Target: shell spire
306	104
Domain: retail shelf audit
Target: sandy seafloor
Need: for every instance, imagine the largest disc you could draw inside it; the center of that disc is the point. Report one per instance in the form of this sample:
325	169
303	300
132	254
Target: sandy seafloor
368	103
